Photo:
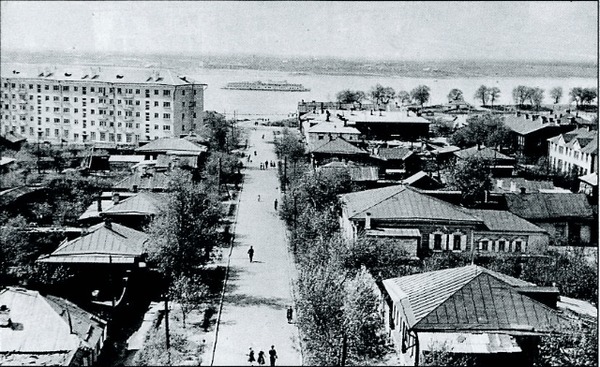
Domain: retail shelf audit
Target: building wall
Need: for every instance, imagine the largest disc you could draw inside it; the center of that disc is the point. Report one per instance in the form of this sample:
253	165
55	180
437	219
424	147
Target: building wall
489	242
86	111
565	159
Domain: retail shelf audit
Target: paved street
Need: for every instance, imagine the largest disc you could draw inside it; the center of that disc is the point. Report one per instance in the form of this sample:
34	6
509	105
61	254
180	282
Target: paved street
257	294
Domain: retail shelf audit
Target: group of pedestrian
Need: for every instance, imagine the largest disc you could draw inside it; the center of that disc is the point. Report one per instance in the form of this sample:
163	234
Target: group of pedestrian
261	356
267	164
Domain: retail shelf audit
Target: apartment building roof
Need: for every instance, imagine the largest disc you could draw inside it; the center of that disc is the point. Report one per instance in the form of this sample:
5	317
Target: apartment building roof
473	298
101	74
400	202
103	243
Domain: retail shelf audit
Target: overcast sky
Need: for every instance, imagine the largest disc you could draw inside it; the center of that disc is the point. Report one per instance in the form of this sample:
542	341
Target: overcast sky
557	31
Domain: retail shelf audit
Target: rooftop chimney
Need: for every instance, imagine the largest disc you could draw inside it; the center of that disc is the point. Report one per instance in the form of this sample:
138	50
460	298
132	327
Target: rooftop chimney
135	188
526	116
513	186
116	198
100	204
368	221
499	183
108	223
523	190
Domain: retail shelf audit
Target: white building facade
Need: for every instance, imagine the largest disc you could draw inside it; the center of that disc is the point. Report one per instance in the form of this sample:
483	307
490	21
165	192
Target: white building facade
104	106
577	149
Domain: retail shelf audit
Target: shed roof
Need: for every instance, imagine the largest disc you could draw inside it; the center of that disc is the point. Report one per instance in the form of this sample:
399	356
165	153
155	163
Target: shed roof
400	202
397	153
118	244
549	205
171	144
357	173
144	181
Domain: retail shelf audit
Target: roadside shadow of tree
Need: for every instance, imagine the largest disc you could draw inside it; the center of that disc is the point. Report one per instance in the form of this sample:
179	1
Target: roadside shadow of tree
245	300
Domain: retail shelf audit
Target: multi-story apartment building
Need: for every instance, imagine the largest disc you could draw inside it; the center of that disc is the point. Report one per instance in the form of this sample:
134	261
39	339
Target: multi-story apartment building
106	106
577	150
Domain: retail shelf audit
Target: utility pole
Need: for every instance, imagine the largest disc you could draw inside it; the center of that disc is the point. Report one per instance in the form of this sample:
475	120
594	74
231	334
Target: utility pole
167	340
284	186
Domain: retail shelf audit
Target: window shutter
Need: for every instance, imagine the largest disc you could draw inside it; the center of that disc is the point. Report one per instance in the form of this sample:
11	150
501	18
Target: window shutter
463	242
431	240
445	241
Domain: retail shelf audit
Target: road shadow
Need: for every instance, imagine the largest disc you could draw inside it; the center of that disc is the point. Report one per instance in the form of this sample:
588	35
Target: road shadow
245	300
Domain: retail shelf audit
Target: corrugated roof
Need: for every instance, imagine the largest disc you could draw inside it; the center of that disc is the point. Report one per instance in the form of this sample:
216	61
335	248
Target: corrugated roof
38	328
485	153
87	74
87	326
486	303
148	181
523	126
400	202
549	205
339	146
398	153
428	290
504	221
143	203
171	144
99	243
333	127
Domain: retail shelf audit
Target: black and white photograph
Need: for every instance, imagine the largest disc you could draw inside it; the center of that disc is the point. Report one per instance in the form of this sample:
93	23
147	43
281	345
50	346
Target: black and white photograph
299	183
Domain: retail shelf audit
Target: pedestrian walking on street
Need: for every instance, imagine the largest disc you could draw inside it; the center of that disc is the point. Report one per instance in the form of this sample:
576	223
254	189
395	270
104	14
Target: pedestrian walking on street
251	358
272	355
266	164
255	152
261	358
290	314
251	253
258	197
261	166
275	204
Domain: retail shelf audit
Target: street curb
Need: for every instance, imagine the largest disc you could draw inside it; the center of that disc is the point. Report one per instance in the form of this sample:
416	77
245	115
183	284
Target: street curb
222	297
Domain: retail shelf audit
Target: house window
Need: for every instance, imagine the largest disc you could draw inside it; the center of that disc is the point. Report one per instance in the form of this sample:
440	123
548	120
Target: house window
518	246
437	241
501	245
483	245
456	242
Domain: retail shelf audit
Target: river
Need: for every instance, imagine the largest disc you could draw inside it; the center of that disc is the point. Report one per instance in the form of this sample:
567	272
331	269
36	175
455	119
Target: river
249	104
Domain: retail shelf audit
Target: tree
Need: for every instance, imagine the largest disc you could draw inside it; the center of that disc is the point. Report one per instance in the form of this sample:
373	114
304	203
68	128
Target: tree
536	96
576	94
473	178
380	94
556	94
482	93
220	133
521	94
455	95
184	232
575	347
589	95
420	94
188	292
485	129
494	93
403	96
289	145
350	96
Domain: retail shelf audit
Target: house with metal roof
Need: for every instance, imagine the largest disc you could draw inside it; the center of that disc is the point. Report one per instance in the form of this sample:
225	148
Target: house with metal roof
567	217
144	180
434	225
136	211
338	149
501	165
47	331
397	161
421	180
469	310
365	176
103	243
530	132
390	125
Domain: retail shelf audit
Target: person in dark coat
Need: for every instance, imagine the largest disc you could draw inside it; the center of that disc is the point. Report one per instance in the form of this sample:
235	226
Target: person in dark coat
290	314
251	253
275	204
251	358
261	358
272	355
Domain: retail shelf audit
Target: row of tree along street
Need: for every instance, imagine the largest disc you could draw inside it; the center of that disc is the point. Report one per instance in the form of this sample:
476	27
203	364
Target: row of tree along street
524	97
338	308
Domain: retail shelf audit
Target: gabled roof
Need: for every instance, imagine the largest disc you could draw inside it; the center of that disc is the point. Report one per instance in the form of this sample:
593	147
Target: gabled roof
504	221
334	128
484	152
357	173
549	205
590	178
523	126
400	202
388	117
504	185
397	153
14	137
117	244
143	203
39	329
171	144
339	146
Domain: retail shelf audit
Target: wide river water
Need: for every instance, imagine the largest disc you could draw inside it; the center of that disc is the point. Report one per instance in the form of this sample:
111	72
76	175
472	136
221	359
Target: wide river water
249	104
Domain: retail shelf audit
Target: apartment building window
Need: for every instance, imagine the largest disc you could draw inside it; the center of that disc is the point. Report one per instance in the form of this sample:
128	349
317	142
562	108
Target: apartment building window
102	136
119	124
56	87
56	99
167	127
92	111
137	91
66	121
47	131
118	113
501	245
65	88
129	125
147	105
155	103
47	119
167	93
147	116
182	104
118	90
30	131
156	115
111	113
75	89
166	104
137	103
195	92
30	86
56	109
111	90
155	127
56	133
128	138
102	90
92	89
119	137
93	135
156	92
194	114
46	87
66	109
66	133
111	124
83	90
75	99
102	123
147	129
66	99
22	129
129	102
576	155
147	93
183	92
182	116
128	113
166	115
118	101
111	137
137	114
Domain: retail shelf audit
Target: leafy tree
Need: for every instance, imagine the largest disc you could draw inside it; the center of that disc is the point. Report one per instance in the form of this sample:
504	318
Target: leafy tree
15	248
521	94
222	167
184	233
221	134
380	94
556	94
155	353
420	94
482	93
536	96
494	93
472	177
574	347
403	96
455	95
589	95
441	128
576	94
289	145
188	292
485	129
441	355
351	96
